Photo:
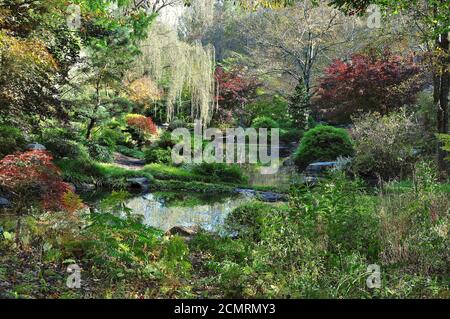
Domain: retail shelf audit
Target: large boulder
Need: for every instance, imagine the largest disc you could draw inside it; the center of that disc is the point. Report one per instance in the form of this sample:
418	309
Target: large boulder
318	169
270	197
262	196
183	231
36	147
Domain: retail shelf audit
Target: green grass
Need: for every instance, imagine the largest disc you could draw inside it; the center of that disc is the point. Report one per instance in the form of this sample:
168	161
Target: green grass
100	174
191	186
112	171
110	176
406	186
166	172
130	152
171	173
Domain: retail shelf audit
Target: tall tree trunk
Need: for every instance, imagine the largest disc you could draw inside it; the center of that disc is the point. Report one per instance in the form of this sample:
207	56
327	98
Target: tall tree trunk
441	92
91	125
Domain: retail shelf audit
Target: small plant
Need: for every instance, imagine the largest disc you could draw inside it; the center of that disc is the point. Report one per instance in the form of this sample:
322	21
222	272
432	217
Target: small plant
111	137
165	141
156	155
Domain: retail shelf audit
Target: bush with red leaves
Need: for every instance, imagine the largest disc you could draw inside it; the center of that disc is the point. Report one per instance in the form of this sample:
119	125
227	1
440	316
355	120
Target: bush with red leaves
142	123
368	83
236	88
31	177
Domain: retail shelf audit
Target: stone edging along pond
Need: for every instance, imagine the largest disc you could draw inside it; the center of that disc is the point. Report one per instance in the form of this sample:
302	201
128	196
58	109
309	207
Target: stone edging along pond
144	184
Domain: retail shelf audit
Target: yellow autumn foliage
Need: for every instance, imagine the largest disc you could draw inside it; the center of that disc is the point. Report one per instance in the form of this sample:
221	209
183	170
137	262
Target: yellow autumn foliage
144	91
26	52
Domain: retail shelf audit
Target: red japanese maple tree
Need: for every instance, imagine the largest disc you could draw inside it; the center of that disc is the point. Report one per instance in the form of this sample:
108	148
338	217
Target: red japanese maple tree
142	123
31	177
235	89
367	83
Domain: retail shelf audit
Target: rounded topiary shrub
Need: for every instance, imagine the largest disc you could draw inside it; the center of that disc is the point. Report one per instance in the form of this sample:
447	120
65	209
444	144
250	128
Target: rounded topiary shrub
323	143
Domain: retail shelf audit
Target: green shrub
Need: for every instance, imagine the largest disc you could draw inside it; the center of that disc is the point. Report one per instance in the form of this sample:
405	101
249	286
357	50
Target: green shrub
68	133
61	147
337	214
11	140
132	152
291	135
110	137
78	171
228	173
323	143
63	142
158	155
264	122
99	152
161	151
165	141
385	145
247	220
275	108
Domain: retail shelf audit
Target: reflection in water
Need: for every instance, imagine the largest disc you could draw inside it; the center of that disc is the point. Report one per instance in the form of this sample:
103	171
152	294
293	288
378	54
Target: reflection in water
282	178
159	214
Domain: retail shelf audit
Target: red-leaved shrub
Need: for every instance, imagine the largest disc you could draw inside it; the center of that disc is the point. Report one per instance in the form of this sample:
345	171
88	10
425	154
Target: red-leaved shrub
142	123
367	83
31	177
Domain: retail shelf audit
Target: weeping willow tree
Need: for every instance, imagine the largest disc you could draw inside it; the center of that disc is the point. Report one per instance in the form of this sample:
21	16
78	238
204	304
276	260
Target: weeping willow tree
181	67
